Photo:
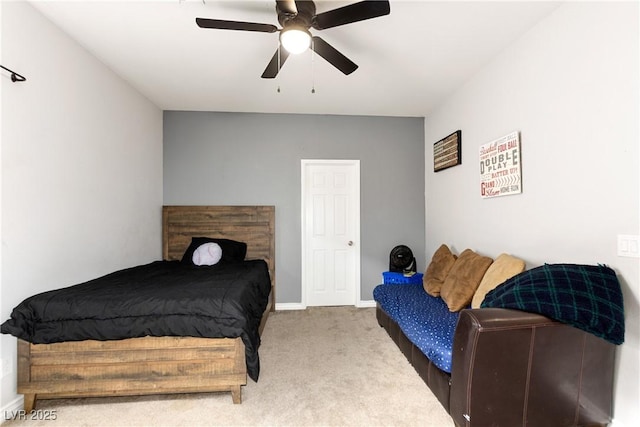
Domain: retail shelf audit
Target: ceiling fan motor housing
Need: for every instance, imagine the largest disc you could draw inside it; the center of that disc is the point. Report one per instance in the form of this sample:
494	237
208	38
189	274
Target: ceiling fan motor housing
304	17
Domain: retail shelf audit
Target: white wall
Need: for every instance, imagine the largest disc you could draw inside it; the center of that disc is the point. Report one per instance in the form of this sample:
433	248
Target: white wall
570	86
81	168
1	237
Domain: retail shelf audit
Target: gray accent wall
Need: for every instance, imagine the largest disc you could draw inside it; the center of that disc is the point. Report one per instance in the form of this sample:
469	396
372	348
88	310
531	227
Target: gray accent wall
215	158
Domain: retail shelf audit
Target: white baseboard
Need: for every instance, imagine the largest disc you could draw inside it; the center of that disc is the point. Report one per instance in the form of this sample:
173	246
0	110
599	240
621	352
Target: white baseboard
299	306
366	304
290	306
12	408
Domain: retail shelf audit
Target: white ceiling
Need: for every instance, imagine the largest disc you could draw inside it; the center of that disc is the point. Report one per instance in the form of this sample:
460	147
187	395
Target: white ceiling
409	61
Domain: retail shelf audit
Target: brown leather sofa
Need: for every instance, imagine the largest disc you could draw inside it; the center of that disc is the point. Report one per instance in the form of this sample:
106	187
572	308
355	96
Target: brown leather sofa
513	368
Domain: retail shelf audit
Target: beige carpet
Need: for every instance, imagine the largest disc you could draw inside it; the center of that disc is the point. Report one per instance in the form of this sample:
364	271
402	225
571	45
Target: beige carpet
329	366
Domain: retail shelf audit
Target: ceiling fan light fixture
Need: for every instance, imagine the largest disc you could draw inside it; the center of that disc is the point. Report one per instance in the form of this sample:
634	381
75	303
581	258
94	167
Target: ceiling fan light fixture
295	40
296	18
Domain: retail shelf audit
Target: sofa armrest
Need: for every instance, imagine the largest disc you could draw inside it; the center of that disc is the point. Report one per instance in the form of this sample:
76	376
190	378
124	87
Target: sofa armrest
513	368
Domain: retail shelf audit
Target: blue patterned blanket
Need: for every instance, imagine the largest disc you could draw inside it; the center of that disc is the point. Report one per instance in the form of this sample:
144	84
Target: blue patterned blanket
588	297
425	320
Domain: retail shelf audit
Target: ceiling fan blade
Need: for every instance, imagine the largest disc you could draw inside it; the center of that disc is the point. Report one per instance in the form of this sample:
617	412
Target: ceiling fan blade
332	56
287	6
220	24
351	13
276	63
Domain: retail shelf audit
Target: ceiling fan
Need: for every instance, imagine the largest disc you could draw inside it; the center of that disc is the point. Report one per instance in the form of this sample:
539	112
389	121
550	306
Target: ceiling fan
296	18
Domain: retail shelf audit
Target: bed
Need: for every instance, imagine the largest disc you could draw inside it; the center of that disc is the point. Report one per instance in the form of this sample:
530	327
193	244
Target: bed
172	363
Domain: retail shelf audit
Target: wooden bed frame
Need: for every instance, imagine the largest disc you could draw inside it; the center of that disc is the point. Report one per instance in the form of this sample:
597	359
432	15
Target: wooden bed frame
157	365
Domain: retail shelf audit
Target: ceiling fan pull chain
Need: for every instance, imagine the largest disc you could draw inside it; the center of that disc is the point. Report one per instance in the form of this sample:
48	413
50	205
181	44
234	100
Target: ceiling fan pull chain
279	47
313	67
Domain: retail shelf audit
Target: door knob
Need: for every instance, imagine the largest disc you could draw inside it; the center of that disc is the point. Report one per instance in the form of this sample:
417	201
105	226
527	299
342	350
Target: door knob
350	243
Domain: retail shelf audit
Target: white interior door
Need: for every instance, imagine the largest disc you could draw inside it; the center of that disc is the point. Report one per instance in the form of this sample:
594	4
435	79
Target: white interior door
330	232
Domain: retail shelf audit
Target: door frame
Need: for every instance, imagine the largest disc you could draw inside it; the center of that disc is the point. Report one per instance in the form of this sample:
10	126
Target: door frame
304	164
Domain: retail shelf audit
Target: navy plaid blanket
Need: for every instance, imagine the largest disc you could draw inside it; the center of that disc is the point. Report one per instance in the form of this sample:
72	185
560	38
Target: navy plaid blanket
585	296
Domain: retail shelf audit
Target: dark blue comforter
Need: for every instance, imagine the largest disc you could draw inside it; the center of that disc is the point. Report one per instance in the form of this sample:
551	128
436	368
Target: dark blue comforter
425	320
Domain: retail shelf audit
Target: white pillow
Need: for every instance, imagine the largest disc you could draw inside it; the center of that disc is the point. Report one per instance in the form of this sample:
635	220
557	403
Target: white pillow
207	254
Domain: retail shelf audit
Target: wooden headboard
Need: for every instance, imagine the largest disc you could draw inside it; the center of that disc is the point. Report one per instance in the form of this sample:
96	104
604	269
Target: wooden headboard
254	225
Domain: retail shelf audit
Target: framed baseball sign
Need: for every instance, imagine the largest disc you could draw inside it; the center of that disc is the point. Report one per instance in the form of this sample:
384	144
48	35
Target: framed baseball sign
500	167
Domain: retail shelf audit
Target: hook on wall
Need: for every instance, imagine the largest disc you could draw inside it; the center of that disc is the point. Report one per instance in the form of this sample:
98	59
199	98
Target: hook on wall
15	77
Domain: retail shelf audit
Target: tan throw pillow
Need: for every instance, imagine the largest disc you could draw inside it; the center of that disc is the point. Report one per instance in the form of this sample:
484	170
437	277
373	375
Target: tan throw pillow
463	279
503	268
437	271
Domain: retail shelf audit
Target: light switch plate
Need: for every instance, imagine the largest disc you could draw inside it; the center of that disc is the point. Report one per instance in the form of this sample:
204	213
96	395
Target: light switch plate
629	245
